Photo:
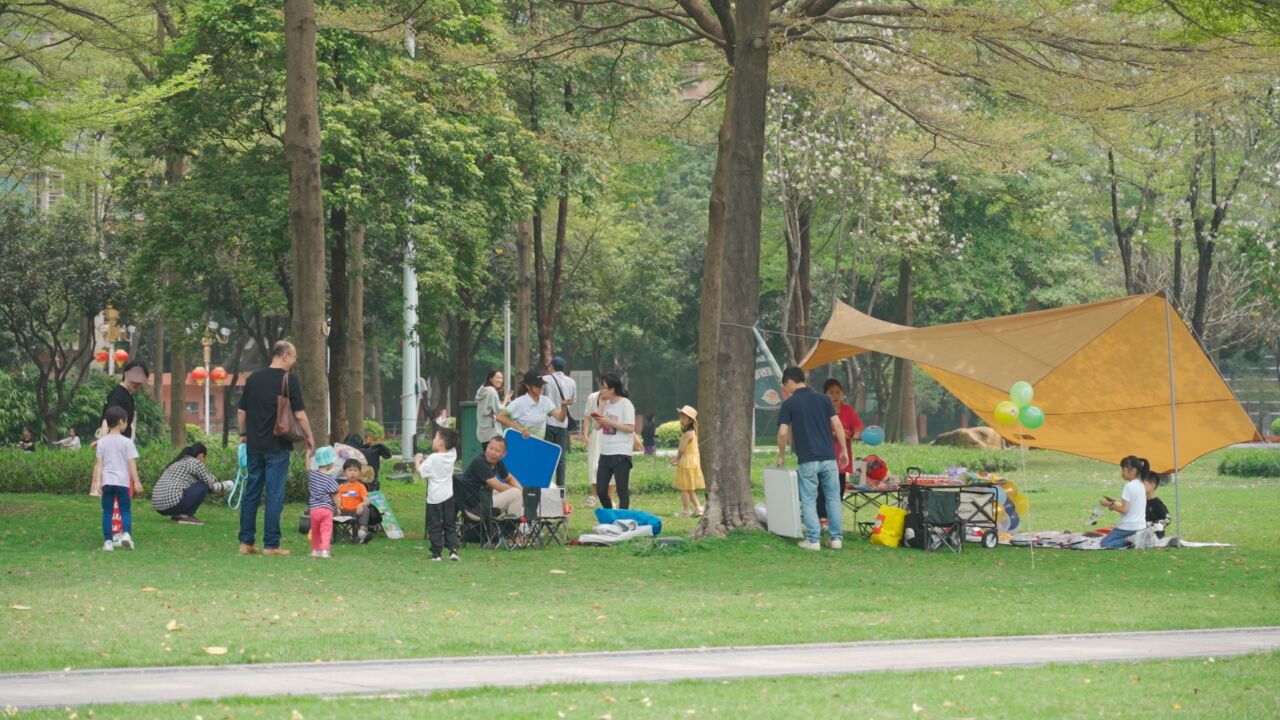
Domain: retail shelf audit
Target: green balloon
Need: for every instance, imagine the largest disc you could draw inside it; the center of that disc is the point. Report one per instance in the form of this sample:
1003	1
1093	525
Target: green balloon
1032	417
1022	393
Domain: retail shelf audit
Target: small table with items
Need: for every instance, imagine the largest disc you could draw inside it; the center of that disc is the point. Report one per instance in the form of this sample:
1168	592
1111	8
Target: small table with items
867	500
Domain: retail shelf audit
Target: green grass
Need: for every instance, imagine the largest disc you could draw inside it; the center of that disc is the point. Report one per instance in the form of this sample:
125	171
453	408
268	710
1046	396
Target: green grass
1242	687
94	609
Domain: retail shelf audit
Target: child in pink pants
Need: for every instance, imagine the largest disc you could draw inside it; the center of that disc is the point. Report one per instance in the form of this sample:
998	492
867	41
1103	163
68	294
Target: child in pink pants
322	498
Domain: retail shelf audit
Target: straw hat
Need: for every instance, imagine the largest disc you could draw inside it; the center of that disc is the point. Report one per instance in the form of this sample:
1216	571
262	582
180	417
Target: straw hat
688	410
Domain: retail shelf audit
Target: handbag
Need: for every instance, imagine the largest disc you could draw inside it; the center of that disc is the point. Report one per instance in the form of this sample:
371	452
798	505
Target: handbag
287	425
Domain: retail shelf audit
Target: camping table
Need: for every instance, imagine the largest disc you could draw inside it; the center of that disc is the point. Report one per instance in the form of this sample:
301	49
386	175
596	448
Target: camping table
860	498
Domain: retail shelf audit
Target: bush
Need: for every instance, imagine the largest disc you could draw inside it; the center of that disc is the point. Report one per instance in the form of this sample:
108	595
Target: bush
669	434
1275	426
70	472
84	413
374	431
1250	463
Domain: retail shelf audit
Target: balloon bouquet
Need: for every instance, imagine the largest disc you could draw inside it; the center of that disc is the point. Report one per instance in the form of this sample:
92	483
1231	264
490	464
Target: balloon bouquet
1017	409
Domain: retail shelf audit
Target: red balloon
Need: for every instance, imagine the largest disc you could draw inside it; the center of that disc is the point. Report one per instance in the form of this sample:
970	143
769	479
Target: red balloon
122	357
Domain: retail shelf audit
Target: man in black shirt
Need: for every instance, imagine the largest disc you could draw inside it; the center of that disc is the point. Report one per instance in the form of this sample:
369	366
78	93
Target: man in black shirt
809	417
136	374
488	469
268	454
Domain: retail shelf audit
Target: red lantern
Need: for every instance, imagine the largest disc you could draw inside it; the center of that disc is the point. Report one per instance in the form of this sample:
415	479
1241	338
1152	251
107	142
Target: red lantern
102	357
218	375
122	357
198	375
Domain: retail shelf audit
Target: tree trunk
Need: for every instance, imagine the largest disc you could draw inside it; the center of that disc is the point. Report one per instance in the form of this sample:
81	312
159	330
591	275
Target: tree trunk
375	381
901	424
177	387
157	357
1177	264
709	313
461	359
524	298
804	284
338	324
306	211
730	503
234	375
354	374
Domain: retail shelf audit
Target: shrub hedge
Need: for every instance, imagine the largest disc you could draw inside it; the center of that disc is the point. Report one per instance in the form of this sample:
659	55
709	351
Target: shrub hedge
70	472
1250	463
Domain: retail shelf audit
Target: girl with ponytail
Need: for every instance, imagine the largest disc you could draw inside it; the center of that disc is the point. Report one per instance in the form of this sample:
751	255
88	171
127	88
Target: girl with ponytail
1132	504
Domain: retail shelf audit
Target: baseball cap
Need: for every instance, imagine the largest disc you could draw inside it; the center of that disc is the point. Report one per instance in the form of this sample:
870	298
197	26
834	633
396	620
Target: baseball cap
557	362
533	379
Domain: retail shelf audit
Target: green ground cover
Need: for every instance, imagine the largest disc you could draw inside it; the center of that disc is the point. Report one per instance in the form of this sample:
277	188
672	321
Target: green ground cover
1235	688
66	603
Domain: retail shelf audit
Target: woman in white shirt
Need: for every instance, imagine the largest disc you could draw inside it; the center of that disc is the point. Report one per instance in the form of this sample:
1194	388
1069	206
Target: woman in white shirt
528	413
617	419
1132	504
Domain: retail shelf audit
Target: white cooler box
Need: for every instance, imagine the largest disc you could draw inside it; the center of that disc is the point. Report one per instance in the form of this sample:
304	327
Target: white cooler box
782	498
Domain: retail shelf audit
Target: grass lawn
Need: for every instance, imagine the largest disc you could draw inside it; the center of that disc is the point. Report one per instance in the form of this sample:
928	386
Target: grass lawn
1242	687
67	604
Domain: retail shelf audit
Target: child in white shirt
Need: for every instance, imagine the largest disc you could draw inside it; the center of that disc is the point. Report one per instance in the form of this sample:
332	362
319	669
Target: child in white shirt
118	468
437	469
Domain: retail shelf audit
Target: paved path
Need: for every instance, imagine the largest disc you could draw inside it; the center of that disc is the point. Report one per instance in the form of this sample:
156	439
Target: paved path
174	684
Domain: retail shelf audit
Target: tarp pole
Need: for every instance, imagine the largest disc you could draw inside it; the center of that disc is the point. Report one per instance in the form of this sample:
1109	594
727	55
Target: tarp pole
1173	420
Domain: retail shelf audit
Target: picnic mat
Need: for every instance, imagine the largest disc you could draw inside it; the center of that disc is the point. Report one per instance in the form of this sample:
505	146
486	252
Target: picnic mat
1068	540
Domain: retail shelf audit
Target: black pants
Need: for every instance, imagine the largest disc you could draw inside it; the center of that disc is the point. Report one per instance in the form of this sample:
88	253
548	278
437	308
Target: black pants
617	467
822	502
192	497
559	436
442	526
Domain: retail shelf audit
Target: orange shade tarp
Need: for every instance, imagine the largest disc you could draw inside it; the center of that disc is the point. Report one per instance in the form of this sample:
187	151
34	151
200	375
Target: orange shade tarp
1100	372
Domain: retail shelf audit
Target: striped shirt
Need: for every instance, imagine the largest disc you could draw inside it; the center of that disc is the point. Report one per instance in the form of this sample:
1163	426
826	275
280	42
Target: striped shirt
175	480
322	487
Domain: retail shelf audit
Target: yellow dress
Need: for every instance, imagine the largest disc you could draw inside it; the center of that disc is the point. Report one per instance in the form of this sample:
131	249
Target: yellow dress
689	466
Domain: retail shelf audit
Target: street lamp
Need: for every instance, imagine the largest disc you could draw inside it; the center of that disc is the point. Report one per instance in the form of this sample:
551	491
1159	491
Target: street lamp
211	333
113	333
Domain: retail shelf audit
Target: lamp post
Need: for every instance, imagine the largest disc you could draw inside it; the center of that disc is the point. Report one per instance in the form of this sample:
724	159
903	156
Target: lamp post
112	334
409	371
211	333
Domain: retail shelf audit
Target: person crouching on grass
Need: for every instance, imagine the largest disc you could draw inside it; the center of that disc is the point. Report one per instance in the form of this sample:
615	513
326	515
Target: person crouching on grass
437	468
118	468
322	498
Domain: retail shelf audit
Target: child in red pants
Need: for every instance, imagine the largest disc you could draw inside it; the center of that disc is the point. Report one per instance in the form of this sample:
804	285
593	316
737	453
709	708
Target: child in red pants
322	498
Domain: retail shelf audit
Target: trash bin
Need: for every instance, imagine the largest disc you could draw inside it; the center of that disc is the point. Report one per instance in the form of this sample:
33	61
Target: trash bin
470	446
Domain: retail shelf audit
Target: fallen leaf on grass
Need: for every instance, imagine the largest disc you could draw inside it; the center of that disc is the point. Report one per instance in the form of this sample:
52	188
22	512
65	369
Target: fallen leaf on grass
148	588
916	708
215	650
555	572
19	607
172	626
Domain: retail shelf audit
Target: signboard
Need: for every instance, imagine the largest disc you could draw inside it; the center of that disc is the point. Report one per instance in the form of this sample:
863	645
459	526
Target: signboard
768	377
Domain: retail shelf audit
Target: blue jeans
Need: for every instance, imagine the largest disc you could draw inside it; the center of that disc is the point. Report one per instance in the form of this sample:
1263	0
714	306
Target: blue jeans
265	470
111	494
1117	539
824	474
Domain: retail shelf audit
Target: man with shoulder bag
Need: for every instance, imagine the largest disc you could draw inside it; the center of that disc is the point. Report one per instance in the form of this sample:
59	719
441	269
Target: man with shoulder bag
562	391
272	419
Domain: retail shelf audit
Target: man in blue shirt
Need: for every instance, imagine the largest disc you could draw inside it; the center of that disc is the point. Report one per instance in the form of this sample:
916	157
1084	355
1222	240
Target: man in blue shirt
811	418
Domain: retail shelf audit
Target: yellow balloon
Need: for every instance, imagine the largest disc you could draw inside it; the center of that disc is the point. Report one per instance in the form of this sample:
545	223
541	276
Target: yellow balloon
1007	412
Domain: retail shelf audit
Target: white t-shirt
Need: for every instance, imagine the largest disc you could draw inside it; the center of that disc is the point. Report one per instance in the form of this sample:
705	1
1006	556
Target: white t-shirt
554	383
437	468
530	414
612	440
1136	495
115	451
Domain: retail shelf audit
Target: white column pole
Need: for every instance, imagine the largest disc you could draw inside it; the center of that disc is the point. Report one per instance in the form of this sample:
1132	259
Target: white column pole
409	371
506	343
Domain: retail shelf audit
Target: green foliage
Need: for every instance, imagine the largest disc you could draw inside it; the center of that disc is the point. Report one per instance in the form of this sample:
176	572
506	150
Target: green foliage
934	460
668	434
1275	426
1251	463
70	472
373	430
84	412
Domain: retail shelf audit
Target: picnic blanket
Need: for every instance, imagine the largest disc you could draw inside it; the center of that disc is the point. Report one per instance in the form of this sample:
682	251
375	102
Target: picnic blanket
1068	540
615	532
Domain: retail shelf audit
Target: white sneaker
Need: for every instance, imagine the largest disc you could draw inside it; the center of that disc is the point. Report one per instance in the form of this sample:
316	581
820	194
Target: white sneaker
108	546
315	553
805	545
363	535
837	544
126	541
325	554
453	556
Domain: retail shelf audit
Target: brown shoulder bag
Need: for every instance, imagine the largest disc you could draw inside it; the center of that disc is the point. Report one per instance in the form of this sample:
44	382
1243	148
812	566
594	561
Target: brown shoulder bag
287	425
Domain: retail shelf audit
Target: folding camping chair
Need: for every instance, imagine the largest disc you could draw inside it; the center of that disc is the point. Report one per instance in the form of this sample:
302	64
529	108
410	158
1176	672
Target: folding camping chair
942	524
476	522
552	525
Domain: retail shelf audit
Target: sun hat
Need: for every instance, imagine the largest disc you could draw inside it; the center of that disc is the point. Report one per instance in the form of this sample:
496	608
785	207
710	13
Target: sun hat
325	456
688	410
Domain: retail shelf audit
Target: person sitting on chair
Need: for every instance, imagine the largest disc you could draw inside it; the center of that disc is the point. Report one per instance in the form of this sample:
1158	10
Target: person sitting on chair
487	468
353	497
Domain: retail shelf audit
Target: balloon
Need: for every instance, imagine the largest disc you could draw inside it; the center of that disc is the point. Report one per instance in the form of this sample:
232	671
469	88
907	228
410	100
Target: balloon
1021	393
873	435
1006	413
1032	417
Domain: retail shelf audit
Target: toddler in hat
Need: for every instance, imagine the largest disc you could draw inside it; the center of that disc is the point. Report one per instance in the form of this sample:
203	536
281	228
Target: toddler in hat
688	463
